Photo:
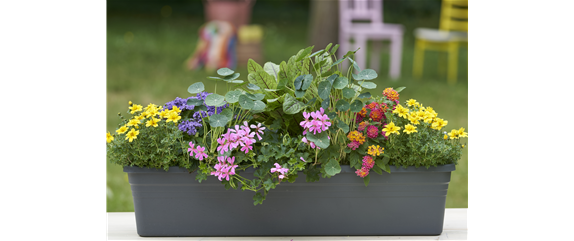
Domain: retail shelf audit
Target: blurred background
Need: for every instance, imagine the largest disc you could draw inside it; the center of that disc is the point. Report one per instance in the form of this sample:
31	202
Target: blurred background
156	49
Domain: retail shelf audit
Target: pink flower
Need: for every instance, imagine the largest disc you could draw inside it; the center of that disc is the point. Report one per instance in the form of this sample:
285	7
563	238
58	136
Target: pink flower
368	162
279	169
302	159
354	145
200	153
192	149
362	172
224	168
372	132
258	130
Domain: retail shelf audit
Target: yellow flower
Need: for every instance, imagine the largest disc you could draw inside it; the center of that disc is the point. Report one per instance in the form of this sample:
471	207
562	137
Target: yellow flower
133	134
375	150
140	117
438	123
453	134
122	130
413	118
164	114
152	122
135	108
412	102
461	132
391	128
152	112
432	112
420	114
130	103
428	117
150	107
109	137
410	129
445	137
173	116
462	146
176	109
401	111
133	122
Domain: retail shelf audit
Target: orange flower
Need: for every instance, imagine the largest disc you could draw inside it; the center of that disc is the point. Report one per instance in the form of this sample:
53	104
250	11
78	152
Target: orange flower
391	94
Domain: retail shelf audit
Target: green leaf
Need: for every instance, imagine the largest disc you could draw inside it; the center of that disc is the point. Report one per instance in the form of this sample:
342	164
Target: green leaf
258	106
367	74
258	199
385	160
228	113
320	139
303	53
307	80
298	82
377	170
299	93
255	96
291	105
325	103
272	69
231	77
349	53
332	78
225	72
318	52
328	46
324	89
237	81
348	93
334	48
262	79
245	102
196	88
356	106
232	96
194	102
218	120
366	180
343	126
332	168
340	82
365	95
355	160
338	62
342	105
253	66
368	85
215	100
253	87
400	89
355	65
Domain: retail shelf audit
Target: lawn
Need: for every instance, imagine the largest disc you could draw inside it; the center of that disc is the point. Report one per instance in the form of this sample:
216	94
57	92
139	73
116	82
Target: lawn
148	68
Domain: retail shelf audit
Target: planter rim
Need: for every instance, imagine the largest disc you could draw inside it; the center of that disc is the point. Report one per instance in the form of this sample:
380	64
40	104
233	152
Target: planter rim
344	169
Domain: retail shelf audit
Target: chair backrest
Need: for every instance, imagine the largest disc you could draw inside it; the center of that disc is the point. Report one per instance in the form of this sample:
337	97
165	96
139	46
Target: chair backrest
507	15
361	10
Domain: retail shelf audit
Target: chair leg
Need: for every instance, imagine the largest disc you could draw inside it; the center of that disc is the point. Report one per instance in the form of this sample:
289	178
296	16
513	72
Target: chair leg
452	62
418	58
375	55
396	55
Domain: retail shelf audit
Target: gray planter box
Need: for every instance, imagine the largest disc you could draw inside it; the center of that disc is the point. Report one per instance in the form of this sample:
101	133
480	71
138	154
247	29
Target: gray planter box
408	201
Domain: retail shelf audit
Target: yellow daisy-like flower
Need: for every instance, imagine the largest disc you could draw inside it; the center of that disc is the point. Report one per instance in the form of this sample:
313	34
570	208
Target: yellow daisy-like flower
122	130
150	107
413	118
401	111
445	137
412	102
145	114
438	123
152	122
421	114
135	108
176	109
410	129
428	117
375	150
164	114
173	116
453	134
461	132
153	112
133	134
391	128
432	112
109	137
140	117
133	122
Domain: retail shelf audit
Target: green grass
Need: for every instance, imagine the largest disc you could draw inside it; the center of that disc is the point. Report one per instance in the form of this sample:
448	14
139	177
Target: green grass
150	70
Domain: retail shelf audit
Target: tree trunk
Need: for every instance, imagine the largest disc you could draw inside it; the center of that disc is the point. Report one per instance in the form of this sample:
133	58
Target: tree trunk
324	23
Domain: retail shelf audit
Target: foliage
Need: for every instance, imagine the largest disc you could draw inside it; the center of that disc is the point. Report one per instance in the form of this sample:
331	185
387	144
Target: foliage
301	115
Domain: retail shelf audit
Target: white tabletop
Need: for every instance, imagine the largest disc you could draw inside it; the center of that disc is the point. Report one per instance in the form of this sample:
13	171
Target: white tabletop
122	226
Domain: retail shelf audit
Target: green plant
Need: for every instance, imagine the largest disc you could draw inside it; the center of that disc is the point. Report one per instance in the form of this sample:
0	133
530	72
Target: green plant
305	114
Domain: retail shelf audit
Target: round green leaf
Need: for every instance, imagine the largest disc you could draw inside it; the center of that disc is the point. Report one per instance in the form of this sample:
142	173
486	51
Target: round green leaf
252	87
343	126
325	103
291	105
324	89
307	81
367	74
196	88
365	95
332	168
357	106
255	96
320	139
231	77
195	102
258	106
245	102
332	78
218	120
215	100
342	105
368	85
348	93
232	96
298	82
225	72
340	82
228	113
